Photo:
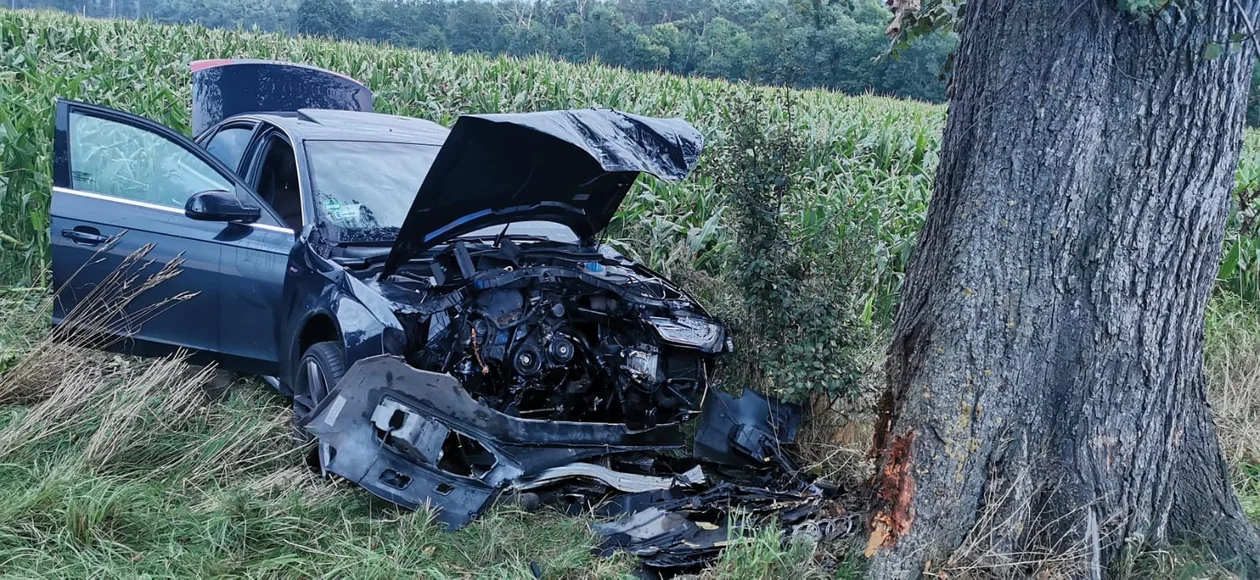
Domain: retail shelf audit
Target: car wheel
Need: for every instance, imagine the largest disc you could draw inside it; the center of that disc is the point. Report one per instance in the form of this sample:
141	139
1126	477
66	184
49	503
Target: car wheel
319	369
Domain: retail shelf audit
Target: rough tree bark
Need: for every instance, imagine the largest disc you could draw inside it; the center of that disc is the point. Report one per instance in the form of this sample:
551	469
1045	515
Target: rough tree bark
1046	366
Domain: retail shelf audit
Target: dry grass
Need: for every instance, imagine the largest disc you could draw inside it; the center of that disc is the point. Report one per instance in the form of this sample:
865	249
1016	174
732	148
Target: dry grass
1233	373
63	374
99	320
1232	353
1012	538
836	436
166	392
239	446
127	406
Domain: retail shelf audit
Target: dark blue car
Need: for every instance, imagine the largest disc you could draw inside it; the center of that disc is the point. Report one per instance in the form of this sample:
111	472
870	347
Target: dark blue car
318	234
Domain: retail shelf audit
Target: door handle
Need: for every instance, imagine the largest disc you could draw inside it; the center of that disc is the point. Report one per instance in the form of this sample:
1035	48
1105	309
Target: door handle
85	235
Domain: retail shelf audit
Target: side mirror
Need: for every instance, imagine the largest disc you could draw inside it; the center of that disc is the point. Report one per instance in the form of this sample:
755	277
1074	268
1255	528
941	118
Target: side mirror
220	206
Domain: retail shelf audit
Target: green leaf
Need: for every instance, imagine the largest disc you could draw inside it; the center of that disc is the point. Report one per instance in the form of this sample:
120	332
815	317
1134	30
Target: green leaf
1213	50
1229	266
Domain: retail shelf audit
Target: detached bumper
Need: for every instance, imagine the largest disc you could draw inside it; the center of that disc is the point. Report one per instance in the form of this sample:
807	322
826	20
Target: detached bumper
415	437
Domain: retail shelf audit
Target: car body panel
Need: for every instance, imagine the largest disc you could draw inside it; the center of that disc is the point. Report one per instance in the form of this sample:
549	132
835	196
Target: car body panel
224	88
252	273
78	267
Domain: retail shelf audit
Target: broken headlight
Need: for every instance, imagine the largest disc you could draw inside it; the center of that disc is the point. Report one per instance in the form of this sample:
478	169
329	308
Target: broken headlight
699	333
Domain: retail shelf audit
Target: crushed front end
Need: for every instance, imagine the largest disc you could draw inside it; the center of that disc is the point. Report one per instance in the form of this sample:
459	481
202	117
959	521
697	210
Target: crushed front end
520	358
417	438
556	331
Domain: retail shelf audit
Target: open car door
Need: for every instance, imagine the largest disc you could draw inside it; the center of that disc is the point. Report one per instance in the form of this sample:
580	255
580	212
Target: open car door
225	87
122	183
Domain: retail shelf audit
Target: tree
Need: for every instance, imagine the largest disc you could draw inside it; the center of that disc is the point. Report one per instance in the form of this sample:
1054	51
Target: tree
803	43
606	35
726	48
325	17
472	26
1046	363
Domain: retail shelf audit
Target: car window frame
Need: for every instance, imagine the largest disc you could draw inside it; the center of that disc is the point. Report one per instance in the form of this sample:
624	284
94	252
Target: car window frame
250	124
255	154
136	123
61	152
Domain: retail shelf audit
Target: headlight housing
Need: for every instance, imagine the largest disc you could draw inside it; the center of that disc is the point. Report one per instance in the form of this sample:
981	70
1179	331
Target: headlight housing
691	331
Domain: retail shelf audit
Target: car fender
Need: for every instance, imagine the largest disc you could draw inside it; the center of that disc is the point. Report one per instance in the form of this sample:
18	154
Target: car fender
362	320
367	324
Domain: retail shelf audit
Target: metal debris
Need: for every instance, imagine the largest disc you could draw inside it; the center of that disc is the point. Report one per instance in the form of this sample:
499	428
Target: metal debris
418	438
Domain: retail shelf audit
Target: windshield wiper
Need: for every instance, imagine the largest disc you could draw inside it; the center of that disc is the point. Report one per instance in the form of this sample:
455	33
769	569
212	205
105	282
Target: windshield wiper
499	238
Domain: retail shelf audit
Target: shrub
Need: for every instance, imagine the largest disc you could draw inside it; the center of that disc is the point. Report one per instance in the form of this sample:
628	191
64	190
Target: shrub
796	325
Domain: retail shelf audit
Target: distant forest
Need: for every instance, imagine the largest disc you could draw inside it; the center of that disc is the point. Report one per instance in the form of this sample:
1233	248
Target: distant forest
835	44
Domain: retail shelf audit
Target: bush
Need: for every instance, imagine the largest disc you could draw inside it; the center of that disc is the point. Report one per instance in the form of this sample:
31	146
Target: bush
796	323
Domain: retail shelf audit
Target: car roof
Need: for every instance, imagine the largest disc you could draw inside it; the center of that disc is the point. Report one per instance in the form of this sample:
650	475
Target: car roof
324	124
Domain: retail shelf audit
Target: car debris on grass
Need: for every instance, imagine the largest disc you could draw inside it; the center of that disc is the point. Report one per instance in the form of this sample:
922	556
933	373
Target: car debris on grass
418	438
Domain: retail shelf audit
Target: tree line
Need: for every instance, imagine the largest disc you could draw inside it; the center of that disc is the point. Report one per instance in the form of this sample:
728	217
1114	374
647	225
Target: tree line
836	44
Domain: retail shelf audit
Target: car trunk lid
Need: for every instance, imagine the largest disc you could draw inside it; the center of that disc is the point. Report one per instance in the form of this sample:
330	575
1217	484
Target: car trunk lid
226	87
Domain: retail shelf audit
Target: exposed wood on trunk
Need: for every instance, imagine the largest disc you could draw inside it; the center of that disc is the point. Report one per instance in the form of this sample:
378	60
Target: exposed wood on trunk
1049	341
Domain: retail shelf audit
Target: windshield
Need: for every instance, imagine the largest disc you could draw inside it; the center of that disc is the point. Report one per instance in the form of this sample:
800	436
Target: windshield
364	190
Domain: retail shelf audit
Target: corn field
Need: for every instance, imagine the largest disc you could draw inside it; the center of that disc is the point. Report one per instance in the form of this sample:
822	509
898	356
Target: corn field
869	161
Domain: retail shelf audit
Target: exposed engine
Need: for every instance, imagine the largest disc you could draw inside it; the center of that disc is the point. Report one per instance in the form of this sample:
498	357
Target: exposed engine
546	330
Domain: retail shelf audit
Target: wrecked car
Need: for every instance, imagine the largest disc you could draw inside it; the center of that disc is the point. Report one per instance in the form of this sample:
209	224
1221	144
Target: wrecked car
316	233
436	302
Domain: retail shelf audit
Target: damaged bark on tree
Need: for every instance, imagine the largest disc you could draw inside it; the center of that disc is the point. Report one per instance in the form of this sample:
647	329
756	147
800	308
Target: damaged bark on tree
1048	349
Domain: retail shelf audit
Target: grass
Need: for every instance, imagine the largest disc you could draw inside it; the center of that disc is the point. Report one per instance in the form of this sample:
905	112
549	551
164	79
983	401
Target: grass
157	473
1232	350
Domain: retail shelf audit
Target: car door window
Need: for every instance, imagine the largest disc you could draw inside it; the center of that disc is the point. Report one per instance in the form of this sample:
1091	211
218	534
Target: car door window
229	144
116	159
277	181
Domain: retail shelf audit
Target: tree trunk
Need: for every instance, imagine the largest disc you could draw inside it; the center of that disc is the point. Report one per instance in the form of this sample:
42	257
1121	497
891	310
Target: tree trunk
1045	380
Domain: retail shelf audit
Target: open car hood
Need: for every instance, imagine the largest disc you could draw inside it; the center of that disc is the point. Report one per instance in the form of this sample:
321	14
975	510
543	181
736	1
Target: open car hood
570	167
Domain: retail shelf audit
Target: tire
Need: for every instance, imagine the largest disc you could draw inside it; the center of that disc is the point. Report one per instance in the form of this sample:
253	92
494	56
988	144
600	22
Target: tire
319	369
